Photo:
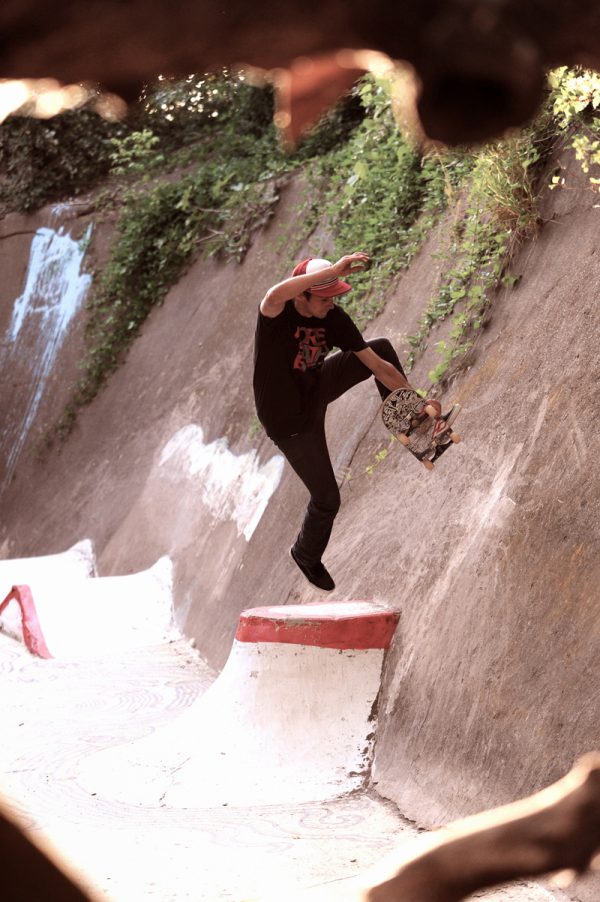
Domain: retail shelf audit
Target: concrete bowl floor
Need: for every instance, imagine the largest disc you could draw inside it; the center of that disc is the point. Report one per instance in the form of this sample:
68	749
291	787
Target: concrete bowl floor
56	714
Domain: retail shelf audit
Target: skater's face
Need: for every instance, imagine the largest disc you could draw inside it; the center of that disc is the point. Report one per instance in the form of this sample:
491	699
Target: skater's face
319	307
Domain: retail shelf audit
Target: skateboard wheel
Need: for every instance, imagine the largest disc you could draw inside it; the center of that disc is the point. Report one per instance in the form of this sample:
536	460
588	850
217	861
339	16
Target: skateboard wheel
428	464
455	437
432	411
404	440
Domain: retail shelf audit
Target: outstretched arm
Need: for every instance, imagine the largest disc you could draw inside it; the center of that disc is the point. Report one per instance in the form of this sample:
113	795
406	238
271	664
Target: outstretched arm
276	297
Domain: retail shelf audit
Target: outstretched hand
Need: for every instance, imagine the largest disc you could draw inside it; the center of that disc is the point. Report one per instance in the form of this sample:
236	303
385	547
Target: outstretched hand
350	263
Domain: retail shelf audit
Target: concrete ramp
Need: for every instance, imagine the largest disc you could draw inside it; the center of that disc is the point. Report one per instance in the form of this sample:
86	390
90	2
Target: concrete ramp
290	719
78	562
59	613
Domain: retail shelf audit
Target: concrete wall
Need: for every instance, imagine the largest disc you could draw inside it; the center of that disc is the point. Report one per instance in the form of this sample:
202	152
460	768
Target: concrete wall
491	683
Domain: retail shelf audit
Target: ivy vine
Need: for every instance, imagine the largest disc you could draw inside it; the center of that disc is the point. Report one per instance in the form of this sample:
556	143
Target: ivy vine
198	169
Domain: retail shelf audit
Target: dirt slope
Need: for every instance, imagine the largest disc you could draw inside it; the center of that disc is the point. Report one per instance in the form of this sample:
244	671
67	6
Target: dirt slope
491	687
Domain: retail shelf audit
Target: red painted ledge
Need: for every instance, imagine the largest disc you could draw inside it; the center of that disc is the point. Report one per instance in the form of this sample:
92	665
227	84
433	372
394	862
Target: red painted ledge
33	636
343	625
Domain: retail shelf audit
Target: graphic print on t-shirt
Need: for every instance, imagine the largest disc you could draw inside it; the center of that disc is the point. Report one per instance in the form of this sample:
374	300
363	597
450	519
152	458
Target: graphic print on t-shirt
312	347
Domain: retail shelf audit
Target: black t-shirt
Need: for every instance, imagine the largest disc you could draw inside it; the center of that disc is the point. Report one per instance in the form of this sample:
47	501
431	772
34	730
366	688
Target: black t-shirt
289	351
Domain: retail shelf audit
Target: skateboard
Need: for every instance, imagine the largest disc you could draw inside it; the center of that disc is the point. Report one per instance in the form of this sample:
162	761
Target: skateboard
420	425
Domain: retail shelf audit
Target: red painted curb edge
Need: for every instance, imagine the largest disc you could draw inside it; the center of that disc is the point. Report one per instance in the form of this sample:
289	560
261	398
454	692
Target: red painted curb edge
33	636
347	630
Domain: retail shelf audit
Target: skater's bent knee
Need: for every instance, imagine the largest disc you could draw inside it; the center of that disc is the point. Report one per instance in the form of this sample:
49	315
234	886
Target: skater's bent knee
380	344
328	503
385	349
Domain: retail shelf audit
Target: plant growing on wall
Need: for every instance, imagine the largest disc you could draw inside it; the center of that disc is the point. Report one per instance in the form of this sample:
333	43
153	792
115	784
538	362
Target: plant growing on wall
576	107
379	193
43	160
499	212
199	167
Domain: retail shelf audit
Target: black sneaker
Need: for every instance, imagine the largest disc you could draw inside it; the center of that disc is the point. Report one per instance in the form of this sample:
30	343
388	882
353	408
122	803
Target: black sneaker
315	573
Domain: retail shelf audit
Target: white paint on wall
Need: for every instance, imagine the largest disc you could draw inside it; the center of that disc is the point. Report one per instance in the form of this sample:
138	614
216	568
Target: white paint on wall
60	212
54	285
54	290
233	487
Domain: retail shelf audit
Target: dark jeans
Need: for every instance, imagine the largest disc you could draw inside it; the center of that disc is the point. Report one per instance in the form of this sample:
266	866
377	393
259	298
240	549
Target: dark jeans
308	454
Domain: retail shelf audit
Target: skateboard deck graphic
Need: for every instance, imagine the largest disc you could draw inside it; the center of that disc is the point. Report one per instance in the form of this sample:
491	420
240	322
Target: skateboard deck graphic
420	425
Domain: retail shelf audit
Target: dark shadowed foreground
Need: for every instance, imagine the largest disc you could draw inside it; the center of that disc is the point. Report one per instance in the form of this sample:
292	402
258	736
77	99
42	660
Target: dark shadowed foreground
480	65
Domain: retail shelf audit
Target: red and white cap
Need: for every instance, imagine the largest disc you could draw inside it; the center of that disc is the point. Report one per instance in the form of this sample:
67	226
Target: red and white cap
329	287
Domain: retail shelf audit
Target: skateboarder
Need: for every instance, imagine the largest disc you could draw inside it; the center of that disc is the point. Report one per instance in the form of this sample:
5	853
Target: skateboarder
295	378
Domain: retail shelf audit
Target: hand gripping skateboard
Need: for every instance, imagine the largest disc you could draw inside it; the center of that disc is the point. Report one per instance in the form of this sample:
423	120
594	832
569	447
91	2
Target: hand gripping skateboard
420	425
